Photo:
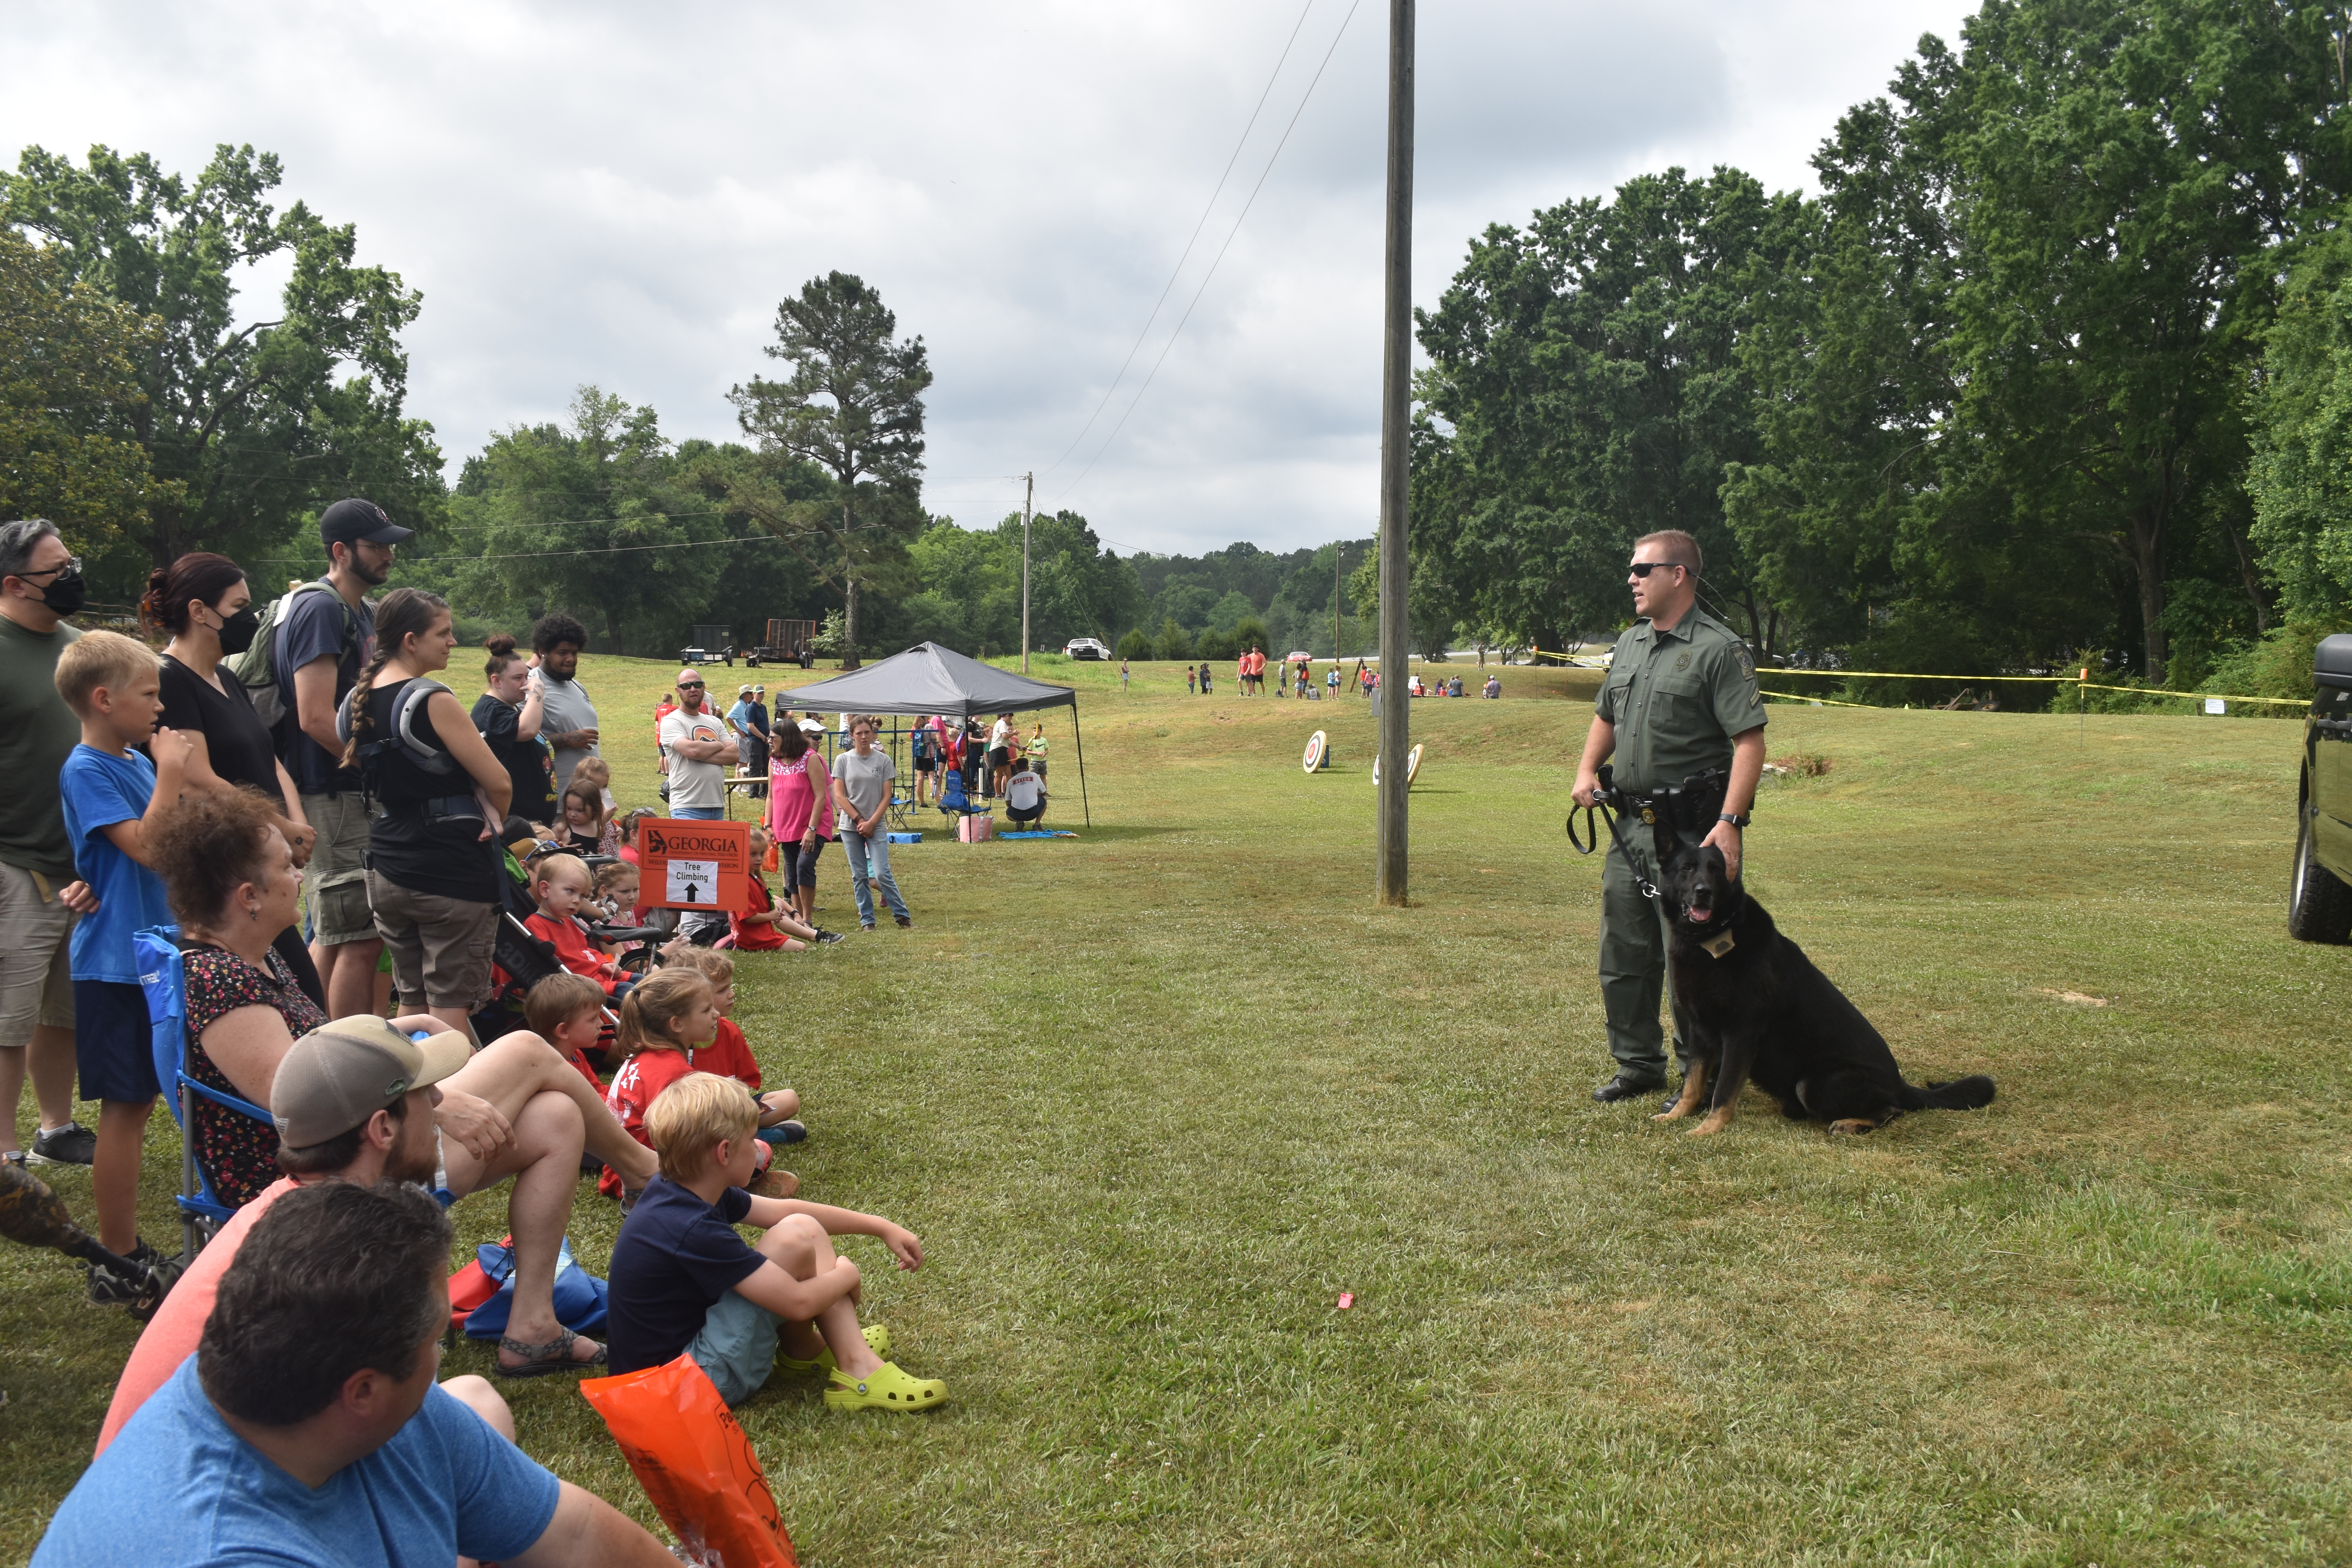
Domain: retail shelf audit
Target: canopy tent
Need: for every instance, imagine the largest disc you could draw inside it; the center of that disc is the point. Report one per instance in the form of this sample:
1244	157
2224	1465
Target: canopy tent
928	678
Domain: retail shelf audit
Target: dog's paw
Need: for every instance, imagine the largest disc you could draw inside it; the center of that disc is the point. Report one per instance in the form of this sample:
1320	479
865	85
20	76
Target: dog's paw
1715	1123
1851	1126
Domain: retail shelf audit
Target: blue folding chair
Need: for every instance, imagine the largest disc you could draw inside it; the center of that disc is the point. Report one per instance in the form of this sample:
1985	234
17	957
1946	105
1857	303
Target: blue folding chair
163	975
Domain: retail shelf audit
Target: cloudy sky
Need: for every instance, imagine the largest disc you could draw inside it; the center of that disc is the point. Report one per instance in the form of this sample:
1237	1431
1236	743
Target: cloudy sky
619	195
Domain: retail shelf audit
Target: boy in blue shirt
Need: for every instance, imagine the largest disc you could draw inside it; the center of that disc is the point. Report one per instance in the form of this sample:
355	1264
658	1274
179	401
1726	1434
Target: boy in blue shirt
113	796
684	1281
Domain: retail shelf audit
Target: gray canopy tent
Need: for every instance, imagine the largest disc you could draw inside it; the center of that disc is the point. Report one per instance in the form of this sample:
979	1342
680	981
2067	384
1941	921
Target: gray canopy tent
928	678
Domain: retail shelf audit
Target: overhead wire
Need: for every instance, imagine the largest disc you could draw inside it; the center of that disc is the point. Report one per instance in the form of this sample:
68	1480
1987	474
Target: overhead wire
1178	271
1211	273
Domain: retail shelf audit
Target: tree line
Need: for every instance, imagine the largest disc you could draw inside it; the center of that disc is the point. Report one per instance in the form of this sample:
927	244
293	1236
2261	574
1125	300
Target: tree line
2055	366
139	415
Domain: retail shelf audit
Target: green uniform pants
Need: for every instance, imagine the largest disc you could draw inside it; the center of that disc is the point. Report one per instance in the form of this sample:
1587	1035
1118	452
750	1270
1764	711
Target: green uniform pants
1633	959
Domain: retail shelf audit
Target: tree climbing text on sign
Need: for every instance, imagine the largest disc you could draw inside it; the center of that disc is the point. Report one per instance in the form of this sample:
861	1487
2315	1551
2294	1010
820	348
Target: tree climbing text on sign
701	866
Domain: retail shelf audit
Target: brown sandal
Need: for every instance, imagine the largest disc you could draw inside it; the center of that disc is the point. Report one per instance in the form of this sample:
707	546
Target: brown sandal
554	1356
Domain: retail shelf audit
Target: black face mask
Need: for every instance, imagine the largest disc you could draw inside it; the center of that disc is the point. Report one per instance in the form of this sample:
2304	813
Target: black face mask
66	593
237	631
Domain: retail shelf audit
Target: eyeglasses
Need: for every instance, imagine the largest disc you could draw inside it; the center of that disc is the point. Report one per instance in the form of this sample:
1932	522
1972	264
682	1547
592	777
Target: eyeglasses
73	563
1643	568
689	685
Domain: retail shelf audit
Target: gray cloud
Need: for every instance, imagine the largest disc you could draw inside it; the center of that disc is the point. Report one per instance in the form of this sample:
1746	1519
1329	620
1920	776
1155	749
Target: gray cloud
606	194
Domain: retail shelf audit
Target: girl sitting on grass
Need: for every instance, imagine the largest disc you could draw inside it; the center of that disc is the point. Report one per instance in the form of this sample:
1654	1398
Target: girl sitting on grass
763	928
665	1022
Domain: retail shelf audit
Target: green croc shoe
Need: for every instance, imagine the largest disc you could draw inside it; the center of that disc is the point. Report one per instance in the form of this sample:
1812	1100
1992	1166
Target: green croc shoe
885	1388
877	1338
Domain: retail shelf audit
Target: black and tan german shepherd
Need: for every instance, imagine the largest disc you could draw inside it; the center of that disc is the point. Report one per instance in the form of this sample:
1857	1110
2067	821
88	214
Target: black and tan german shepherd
1758	1009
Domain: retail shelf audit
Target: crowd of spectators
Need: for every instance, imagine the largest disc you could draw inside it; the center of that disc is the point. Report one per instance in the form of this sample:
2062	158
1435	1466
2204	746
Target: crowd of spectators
299	797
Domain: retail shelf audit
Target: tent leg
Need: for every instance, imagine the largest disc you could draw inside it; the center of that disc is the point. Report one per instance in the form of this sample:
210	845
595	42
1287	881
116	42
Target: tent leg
1082	764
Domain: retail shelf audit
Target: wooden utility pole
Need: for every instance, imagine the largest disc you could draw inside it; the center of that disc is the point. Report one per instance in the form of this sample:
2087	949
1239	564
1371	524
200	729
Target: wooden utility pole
1396	390
1028	508
1339	553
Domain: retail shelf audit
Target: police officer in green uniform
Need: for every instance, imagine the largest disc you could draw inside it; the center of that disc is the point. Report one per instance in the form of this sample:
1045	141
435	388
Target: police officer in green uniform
1680	699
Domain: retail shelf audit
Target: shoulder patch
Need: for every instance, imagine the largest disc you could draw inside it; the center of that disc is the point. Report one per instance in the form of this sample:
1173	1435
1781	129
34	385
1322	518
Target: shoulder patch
1746	659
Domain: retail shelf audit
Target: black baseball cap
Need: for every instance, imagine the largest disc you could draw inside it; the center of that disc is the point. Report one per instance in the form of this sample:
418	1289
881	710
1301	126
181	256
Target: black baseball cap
353	519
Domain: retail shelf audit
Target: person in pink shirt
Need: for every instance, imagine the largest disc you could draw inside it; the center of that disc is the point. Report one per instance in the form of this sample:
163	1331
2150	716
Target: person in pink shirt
799	818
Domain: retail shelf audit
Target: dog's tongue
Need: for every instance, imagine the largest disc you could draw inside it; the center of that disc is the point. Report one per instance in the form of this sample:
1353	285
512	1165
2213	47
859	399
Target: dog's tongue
1698	914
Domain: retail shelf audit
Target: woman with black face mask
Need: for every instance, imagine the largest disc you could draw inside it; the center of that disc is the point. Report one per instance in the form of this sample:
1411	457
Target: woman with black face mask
202	600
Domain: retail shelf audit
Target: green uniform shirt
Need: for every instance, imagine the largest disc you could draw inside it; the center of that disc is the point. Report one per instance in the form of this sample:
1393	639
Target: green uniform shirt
1677	699
37	731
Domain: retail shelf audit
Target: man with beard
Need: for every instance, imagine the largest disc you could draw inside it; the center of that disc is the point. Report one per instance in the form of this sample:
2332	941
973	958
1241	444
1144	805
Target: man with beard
360	1094
570	726
323	640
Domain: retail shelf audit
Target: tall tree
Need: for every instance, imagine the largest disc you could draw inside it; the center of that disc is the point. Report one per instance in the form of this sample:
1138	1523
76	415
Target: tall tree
246	428
591	516
1584	390
67	378
2124	179
853	406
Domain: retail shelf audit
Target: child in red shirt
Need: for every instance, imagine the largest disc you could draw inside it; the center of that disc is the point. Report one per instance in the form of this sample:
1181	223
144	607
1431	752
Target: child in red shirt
665	1024
729	1055
559	886
567	1011
763	928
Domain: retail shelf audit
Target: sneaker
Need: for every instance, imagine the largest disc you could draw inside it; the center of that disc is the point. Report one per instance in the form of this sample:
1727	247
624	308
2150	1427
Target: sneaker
773	1184
787	1131
906	922
13	1157
142	1291
72	1144
866	925
829	937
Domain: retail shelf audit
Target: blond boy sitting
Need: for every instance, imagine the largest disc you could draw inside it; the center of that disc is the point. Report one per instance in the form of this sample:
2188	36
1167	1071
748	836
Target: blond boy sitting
684	1281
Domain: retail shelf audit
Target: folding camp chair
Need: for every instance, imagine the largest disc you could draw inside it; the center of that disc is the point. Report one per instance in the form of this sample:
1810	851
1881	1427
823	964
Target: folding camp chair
163	978
953	799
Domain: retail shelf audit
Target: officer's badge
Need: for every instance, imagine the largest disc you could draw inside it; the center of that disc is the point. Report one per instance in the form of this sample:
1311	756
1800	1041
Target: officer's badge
1747	660
1683	662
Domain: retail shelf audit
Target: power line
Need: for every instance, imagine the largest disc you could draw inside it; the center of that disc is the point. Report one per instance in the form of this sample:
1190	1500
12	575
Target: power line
1178	271
1211	273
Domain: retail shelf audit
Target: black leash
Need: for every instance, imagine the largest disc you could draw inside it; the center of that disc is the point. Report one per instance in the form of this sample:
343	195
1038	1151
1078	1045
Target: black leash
1608	800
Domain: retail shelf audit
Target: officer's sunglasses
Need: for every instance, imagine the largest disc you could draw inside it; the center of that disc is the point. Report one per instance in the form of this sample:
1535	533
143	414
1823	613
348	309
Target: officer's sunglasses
1643	568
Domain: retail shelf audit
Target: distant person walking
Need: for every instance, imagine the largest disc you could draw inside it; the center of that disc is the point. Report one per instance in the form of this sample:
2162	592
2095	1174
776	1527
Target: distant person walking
569	721
1205	677
324	638
862	784
749	718
206	604
1122	677
1191	681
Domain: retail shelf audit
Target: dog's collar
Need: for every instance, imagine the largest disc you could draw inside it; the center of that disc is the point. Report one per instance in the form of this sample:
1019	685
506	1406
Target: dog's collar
1717	946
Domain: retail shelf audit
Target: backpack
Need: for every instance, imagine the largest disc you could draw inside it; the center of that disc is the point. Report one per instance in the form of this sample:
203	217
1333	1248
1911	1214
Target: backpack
257	667
404	709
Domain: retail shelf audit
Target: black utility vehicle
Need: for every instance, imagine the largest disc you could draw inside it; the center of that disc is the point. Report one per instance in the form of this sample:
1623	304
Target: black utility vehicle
2319	905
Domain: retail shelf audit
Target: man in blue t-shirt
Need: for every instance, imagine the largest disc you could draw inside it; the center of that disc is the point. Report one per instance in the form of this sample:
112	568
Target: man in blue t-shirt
324	638
307	1427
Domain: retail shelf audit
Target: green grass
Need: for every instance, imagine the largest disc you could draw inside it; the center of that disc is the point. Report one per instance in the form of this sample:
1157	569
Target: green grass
1155	1097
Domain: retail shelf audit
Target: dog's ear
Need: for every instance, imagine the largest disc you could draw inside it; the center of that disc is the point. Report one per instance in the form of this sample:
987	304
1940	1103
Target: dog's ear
1668	841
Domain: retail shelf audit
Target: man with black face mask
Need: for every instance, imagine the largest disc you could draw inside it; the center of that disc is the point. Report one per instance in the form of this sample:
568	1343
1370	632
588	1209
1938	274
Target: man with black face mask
40	585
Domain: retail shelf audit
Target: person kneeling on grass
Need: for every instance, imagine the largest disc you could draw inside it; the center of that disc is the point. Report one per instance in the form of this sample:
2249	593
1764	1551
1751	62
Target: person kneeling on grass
664	1024
684	1281
307	1428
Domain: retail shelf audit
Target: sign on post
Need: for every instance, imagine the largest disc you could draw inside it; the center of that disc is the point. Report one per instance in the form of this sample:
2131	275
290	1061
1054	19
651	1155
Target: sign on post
687	865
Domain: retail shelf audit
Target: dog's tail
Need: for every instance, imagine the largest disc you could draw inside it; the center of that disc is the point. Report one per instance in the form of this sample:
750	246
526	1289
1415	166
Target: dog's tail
1961	1094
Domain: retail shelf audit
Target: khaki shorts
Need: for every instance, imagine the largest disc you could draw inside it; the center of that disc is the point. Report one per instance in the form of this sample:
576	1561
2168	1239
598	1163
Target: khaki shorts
440	947
334	884
35	970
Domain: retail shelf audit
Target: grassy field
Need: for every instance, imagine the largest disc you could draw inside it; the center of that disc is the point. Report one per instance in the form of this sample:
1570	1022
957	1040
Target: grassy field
1155	1097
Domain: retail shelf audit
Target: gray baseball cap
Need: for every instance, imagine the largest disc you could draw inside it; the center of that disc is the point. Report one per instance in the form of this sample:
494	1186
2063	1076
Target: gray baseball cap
340	1074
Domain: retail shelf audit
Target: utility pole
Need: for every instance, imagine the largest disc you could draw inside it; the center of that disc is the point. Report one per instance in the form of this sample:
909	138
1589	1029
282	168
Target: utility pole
1028	507
1396	390
1337	551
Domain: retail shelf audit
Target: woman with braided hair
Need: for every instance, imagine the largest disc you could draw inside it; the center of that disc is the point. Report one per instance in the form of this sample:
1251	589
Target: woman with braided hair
433	874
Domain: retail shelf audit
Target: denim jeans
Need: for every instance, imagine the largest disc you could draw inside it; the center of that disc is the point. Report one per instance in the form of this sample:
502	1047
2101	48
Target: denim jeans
858	846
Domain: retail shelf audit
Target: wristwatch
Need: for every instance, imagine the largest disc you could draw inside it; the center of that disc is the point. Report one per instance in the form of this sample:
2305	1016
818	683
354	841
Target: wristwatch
1741	820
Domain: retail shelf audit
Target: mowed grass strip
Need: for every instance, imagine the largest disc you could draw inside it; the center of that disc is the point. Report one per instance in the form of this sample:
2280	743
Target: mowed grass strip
1156	1096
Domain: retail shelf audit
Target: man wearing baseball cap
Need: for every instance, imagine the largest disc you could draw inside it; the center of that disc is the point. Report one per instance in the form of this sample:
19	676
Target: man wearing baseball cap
322	640
353	1101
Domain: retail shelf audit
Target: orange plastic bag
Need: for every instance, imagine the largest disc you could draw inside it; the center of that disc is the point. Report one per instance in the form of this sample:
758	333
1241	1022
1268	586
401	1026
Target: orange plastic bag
770	862
695	1463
